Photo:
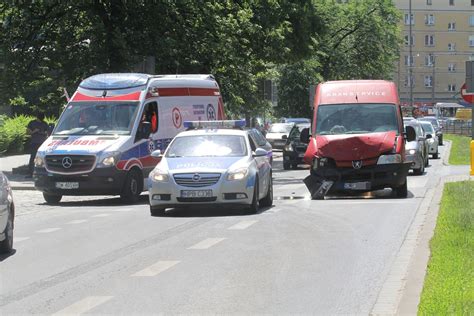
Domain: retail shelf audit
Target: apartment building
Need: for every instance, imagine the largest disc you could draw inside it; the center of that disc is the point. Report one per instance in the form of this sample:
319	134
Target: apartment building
442	40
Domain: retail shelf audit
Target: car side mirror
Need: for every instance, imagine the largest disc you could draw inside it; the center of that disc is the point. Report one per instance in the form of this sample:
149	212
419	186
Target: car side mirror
284	137
156	154
428	136
144	130
260	152
410	134
304	136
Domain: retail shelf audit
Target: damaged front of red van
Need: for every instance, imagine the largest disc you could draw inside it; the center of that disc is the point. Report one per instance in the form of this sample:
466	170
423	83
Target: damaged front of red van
357	140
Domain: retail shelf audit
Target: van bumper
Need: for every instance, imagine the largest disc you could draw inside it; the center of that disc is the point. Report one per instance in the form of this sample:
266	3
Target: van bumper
367	178
103	181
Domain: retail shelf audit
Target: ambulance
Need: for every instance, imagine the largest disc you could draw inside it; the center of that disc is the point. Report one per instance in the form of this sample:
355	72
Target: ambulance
104	138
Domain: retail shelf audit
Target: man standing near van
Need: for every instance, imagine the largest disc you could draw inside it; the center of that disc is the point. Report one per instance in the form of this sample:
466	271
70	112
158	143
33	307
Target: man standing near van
38	130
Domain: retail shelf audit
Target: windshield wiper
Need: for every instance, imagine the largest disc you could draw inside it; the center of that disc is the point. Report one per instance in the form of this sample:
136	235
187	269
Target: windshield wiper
357	132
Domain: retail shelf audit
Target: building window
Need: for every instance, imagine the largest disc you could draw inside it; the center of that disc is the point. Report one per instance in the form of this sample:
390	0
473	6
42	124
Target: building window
429	19
451	47
428	81
451	87
429	40
408	60
471	20
471	40
452	67
429	2
409	40
429	60
408	19
408	81
451	26
451	2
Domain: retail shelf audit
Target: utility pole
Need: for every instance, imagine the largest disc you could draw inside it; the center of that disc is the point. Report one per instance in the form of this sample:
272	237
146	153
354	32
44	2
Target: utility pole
410	49
433	81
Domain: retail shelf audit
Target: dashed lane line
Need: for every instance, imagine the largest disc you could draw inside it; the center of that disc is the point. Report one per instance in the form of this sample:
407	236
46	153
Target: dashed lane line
155	269
242	225
83	305
48	230
77	221
20	239
207	243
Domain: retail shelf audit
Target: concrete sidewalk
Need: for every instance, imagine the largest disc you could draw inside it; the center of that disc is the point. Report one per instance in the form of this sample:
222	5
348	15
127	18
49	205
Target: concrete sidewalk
17	181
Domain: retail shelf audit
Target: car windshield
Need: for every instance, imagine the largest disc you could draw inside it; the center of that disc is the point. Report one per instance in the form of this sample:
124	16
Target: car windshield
92	118
337	119
418	130
208	146
281	128
296	131
427	127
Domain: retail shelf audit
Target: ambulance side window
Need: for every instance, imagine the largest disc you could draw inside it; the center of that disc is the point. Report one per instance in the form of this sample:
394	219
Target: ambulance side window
150	114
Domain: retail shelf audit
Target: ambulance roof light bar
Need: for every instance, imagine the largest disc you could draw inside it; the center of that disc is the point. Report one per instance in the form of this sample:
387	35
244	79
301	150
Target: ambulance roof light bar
214	124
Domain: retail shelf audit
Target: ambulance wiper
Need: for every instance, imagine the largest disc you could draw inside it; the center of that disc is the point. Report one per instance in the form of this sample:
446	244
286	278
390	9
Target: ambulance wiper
357	132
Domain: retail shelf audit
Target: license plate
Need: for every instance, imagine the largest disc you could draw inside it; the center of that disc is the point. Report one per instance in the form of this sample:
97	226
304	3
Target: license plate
67	185
357	185
196	193
301	155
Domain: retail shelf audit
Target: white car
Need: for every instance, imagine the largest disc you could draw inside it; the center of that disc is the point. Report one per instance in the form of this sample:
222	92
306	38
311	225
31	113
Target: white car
210	165
278	134
431	138
7	215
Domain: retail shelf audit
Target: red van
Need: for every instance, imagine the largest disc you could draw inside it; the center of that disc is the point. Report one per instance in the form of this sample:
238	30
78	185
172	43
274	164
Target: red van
357	139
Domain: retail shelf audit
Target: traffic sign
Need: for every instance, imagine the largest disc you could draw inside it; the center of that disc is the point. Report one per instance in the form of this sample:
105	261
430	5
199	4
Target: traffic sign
467	96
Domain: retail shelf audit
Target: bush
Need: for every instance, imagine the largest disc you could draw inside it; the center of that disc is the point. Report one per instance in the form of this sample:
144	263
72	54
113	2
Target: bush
13	134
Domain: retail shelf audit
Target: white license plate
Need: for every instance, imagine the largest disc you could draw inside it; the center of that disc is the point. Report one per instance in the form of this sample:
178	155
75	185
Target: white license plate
357	185
301	155
67	185
196	193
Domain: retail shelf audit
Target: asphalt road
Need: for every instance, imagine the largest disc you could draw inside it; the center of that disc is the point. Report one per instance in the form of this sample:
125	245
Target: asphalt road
94	255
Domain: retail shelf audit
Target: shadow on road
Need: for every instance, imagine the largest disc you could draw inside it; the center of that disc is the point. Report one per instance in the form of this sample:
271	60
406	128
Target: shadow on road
112	201
211	211
5	256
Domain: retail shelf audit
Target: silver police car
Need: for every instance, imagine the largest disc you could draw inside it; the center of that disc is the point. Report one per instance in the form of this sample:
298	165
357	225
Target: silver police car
211	163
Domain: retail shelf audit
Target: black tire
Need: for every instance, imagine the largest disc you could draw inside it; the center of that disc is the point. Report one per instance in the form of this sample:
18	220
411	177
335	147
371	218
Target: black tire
420	170
52	198
132	188
427	160
6	245
401	191
440	140
253	207
435	156
286	165
267	201
294	166
157	211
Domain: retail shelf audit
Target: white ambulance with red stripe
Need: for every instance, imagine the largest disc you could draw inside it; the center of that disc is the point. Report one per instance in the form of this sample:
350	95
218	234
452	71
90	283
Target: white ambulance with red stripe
104	138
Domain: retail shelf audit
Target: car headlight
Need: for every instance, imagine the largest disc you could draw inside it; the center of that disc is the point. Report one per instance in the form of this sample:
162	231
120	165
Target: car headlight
289	147
412	152
39	161
237	174
159	176
389	159
108	159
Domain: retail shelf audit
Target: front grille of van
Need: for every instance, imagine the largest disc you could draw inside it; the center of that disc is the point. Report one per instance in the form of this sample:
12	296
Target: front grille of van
69	163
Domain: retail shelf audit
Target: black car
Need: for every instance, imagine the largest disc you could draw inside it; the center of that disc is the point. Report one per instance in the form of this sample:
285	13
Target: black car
294	149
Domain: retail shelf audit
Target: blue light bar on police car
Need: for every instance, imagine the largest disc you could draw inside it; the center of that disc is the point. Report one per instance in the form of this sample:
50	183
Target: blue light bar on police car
214	124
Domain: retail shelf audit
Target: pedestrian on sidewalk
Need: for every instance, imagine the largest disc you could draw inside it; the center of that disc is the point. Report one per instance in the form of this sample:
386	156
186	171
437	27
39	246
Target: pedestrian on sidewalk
38	130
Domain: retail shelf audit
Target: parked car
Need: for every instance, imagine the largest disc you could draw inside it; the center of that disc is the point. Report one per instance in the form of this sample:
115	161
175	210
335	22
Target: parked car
417	150
294	149
278	134
7	215
295	120
437	127
211	166
431	138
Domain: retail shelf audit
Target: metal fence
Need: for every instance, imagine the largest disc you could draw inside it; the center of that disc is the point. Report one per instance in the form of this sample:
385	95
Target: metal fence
460	127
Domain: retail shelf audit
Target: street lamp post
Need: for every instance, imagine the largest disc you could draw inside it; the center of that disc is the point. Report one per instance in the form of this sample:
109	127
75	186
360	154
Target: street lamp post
410	50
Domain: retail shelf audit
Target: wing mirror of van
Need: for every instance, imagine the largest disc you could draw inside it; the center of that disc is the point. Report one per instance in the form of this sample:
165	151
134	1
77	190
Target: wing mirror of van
410	134
144	130
304	136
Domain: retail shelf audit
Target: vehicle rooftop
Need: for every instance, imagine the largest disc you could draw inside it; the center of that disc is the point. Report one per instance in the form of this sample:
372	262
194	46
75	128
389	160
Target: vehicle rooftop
357	91
210	131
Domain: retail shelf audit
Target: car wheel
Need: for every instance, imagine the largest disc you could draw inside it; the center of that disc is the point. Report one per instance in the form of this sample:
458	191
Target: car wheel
435	156
401	191
427	161
268	199
132	188
157	211
52	198
420	170
6	245
294	166
286	165
253	207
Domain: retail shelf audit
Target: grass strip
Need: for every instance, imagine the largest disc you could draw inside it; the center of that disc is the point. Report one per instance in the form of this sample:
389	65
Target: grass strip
459	149
449	281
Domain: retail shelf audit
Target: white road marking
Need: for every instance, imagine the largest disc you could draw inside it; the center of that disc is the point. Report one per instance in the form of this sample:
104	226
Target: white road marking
77	221
48	230
156	268
83	305
207	243
242	225
19	239
101	215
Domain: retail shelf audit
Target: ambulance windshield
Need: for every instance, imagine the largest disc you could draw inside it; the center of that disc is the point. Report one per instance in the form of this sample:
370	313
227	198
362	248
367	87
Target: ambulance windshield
92	118
337	119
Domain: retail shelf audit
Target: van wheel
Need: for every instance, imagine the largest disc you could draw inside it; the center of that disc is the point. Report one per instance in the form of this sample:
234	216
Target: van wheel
253	207
435	156
294	166
52	198
268	199
6	245
132	188
286	165
157	211
402	191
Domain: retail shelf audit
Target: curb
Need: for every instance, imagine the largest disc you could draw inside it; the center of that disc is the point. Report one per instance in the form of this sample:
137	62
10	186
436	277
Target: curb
447	145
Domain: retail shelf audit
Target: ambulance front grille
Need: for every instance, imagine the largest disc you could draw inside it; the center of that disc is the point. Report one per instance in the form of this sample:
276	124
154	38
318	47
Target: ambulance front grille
69	163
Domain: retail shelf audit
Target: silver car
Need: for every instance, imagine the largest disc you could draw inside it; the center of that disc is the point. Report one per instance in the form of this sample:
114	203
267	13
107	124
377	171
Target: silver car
278	134
437	127
431	138
211	166
417	151
7	215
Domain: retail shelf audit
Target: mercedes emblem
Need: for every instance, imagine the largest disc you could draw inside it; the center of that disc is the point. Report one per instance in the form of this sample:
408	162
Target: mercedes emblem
67	162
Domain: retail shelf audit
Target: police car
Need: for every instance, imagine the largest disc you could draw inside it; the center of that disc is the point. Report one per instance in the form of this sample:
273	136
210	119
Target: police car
213	162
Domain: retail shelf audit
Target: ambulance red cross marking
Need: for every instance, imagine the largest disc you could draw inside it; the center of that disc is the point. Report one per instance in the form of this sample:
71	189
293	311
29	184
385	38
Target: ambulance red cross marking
176	117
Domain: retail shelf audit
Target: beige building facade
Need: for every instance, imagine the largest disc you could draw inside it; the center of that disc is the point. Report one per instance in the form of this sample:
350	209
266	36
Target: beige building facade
442	41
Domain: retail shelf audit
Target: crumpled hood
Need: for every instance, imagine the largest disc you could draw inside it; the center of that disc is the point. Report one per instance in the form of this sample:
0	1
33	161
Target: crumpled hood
81	144
355	147
201	164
